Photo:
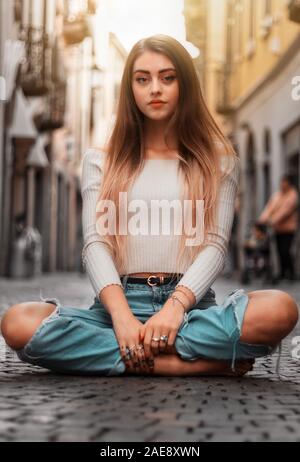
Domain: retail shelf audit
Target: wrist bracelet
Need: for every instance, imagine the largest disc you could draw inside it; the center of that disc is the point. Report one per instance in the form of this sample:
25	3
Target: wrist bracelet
180	290
173	298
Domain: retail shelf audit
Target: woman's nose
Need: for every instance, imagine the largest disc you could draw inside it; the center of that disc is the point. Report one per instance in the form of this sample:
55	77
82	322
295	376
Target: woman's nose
155	86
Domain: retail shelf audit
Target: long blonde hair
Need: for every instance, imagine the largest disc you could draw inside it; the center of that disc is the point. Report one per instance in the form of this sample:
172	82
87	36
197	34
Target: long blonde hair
199	140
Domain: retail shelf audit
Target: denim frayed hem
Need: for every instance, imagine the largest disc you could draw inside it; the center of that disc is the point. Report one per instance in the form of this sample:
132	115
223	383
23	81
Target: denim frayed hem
278	361
49	300
18	352
239	312
55	314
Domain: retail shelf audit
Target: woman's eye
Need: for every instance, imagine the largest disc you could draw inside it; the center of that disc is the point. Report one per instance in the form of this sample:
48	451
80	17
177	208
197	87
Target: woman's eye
169	78
172	77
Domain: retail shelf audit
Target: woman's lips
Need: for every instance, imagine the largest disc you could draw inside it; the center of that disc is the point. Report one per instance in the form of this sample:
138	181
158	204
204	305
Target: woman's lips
157	105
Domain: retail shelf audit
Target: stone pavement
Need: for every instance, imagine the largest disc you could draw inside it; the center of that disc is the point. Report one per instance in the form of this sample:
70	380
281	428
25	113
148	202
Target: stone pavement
38	405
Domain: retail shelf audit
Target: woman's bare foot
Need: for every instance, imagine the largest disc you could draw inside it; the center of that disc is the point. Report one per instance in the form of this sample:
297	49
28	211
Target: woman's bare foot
242	366
222	368
173	365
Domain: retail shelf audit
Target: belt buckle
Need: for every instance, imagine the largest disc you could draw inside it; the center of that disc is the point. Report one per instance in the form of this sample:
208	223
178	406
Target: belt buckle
148	280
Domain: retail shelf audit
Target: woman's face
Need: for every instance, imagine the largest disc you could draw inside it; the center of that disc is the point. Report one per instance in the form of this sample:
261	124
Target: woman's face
154	78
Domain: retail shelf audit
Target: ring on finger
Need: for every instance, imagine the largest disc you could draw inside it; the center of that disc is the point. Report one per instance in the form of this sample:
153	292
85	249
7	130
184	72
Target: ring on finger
157	340
163	340
133	348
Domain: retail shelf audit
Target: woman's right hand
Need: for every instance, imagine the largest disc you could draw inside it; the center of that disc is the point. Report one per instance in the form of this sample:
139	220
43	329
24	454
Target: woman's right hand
127	330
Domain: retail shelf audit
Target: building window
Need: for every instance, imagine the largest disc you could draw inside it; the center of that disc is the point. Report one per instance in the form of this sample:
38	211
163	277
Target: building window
266	164
267	142
238	30
268	7
267	18
18	10
252	11
251	45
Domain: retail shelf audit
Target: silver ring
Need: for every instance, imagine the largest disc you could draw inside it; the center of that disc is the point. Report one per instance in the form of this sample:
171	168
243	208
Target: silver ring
132	348
155	339
164	338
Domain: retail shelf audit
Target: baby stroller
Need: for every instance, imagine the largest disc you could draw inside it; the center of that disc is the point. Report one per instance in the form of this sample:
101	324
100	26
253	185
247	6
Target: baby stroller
257	255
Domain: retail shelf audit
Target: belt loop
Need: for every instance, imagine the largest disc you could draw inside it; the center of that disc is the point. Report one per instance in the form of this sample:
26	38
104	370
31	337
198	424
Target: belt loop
124	281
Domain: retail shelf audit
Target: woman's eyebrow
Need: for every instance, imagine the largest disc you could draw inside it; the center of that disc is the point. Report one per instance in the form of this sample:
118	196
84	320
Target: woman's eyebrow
162	70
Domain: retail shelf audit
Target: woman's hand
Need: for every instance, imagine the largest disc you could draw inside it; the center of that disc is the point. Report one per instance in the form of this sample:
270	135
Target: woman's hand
128	332
166	322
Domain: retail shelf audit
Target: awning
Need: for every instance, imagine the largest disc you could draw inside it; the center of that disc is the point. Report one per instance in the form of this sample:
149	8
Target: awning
37	156
14	52
22	125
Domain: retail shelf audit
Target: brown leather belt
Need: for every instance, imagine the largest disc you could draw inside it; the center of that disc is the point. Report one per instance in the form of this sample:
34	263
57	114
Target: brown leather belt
154	280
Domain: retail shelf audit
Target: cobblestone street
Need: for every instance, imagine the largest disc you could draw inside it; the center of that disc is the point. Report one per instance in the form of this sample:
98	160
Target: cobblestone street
38	405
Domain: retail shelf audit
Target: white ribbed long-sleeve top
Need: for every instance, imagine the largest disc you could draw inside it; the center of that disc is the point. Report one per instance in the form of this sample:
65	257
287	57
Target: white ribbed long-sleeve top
153	253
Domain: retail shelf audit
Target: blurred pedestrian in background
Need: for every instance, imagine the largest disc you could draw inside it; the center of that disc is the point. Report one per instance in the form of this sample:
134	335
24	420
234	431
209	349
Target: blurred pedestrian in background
257	254
281	213
231	263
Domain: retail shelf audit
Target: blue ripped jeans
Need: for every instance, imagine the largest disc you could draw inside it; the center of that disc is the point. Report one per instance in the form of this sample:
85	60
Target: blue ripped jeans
82	341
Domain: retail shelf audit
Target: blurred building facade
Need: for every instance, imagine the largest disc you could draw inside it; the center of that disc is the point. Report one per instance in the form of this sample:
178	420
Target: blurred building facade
195	14
109	61
55	91
254	73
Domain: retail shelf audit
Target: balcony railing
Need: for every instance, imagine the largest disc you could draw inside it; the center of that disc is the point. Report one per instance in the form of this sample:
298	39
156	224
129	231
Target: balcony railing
35	71
223	105
42	74
53	116
294	10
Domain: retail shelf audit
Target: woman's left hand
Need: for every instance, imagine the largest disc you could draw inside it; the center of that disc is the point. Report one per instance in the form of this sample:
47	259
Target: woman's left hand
165	322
